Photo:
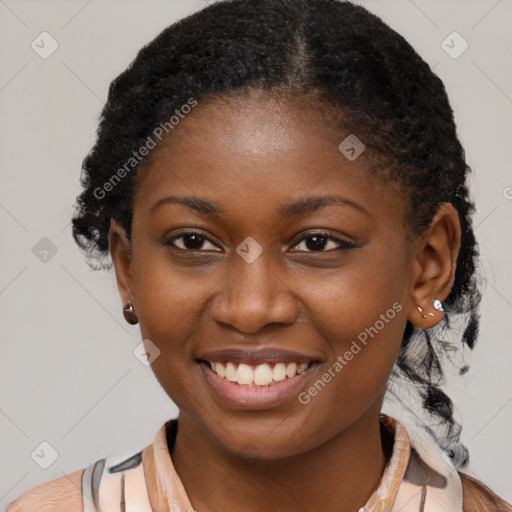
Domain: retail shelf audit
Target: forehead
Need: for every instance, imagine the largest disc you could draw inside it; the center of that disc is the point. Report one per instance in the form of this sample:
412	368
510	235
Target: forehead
259	150
253	124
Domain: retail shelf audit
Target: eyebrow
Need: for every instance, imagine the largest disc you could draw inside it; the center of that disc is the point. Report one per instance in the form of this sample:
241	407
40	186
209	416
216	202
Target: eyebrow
295	208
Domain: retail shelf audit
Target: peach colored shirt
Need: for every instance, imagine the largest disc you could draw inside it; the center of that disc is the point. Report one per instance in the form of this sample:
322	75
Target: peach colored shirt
416	479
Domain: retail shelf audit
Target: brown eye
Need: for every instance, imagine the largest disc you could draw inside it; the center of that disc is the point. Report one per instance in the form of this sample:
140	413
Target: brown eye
191	241
323	242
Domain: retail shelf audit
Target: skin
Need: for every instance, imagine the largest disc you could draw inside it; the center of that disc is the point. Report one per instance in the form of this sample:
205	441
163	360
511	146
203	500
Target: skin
251	155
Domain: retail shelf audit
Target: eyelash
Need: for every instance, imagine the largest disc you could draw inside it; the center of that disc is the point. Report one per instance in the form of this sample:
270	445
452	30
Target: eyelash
344	244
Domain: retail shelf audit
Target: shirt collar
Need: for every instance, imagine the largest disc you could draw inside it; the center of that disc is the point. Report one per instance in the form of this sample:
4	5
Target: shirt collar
416	478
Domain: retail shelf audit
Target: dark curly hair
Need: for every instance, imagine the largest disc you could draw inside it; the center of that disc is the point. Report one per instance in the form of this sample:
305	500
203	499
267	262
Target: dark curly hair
344	57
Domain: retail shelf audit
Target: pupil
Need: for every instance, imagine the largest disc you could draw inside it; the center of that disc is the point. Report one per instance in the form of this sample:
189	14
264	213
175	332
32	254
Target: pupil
317	242
192	241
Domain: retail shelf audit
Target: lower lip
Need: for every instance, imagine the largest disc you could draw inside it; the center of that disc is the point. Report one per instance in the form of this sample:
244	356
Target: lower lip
256	397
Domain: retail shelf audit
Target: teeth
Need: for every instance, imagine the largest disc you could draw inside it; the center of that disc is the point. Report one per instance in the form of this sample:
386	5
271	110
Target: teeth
230	372
302	367
244	374
291	369
259	375
279	372
219	368
262	375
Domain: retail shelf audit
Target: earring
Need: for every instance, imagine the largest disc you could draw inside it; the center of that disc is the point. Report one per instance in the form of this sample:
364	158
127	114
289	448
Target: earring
438	305
129	313
421	312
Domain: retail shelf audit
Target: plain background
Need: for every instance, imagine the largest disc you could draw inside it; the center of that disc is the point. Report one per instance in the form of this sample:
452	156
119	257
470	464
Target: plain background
68	375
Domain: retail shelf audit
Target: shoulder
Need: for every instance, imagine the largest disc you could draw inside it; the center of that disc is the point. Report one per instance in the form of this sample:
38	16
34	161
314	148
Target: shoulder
477	496
92	488
100	483
62	494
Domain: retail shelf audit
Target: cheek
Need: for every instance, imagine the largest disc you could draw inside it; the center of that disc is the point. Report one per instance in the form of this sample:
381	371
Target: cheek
366	294
360	315
363	348
172	305
170	299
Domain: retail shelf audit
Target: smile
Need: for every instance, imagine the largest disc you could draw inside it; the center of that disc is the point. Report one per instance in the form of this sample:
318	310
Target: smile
266	374
259	386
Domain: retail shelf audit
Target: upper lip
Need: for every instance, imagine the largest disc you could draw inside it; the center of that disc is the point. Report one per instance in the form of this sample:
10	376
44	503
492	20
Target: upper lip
258	356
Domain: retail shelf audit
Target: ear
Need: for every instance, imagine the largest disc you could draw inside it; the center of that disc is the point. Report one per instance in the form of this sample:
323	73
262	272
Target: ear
434	266
121	254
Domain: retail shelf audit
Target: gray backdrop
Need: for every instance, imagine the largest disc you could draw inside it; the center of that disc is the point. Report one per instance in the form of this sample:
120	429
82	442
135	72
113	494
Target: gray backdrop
68	376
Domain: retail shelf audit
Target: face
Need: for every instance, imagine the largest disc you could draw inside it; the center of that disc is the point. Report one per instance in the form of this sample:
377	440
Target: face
287	265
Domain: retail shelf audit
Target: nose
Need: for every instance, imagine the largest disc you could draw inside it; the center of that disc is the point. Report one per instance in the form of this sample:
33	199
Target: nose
253	295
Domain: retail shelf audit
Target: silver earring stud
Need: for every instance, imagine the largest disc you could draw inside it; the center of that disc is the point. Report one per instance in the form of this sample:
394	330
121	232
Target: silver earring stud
438	305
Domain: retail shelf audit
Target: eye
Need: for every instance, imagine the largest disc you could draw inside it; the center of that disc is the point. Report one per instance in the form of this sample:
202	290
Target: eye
192	241
314	242
323	242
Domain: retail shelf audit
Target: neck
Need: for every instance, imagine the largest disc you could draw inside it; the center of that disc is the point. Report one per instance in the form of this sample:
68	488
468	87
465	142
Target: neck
339	475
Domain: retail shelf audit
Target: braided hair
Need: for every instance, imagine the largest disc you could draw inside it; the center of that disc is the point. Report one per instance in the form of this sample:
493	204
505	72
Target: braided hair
345	57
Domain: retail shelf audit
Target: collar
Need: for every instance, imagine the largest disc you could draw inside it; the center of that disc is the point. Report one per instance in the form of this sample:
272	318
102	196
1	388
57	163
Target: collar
416	477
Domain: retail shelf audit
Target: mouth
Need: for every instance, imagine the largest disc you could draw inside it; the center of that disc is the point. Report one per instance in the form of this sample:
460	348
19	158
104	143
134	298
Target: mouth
256	383
261	375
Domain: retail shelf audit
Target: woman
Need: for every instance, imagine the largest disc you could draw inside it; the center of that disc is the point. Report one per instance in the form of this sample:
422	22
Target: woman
281	190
